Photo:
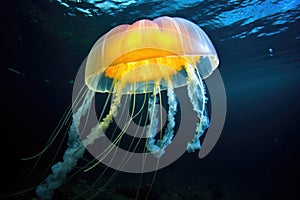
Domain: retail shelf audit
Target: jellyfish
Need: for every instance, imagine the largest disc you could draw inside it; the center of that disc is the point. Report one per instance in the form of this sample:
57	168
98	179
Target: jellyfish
147	58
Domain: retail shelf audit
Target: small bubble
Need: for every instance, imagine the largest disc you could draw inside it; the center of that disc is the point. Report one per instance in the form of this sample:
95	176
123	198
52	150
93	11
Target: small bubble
271	52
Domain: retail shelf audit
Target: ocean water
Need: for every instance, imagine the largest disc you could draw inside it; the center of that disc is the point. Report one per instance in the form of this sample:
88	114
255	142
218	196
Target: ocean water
258	42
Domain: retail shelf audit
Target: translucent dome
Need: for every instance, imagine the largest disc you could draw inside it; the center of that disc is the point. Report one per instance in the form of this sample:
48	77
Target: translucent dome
147	51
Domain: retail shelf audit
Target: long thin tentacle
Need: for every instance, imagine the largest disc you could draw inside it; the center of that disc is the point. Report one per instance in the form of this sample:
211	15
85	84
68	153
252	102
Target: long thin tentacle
73	153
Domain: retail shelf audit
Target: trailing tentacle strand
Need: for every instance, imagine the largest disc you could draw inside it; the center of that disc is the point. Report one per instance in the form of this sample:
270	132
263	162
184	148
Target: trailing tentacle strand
152	127
196	93
99	130
71	156
169	131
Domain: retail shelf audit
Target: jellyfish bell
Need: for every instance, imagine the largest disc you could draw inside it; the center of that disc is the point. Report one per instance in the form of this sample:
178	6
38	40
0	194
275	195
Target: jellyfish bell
146	57
147	51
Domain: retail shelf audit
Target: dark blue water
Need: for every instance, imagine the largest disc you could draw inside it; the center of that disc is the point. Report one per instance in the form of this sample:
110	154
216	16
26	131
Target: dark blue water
257	156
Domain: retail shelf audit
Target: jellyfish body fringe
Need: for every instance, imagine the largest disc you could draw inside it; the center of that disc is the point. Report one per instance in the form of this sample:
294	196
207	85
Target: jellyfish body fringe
196	93
76	147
